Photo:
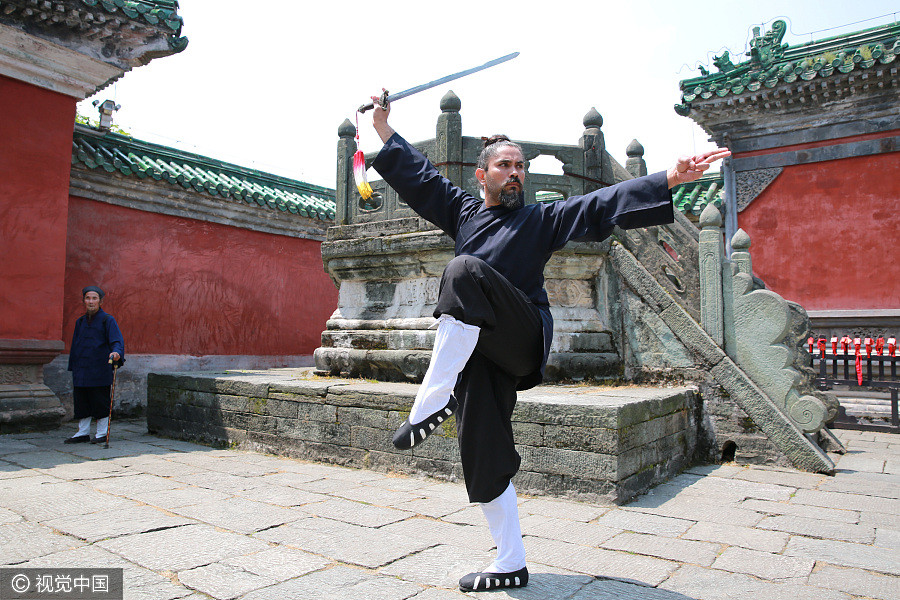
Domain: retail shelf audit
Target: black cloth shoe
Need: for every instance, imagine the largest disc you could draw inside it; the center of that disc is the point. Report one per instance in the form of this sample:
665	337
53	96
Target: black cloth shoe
408	435
100	439
480	582
78	439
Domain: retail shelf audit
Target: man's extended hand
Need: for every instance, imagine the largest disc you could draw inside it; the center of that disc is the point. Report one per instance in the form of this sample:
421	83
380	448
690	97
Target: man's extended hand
380	118
691	168
114	357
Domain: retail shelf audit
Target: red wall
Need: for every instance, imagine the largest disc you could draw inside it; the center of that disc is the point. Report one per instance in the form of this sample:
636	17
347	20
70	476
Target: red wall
181	286
35	154
826	234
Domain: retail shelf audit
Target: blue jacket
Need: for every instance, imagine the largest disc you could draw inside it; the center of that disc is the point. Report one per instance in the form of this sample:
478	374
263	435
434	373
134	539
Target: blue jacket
518	243
92	343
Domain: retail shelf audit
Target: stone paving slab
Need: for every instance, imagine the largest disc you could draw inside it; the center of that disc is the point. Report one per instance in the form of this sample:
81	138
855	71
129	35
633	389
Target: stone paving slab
712	584
357	513
435	532
223	581
139	583
585	534
846	554
856	582
817	528
343	542
600	563
279	563
339	582
24	540
190	522
239	515
686	551
181	548
116	522
764	565
738	536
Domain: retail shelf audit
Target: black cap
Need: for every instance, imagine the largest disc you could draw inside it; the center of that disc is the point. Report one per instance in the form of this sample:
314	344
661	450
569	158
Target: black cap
91	288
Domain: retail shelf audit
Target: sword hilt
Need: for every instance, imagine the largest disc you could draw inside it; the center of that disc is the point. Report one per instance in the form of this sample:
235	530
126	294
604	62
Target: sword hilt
382	102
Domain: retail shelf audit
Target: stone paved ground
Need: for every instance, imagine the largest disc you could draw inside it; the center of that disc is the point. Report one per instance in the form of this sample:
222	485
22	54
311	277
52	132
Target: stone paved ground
188	521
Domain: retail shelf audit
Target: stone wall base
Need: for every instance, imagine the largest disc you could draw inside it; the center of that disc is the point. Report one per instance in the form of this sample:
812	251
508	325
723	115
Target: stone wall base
603	444
131	380
26	403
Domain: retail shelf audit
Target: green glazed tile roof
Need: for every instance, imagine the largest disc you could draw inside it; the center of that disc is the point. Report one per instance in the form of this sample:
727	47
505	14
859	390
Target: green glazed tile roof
692	198
153	12
772	63
127	156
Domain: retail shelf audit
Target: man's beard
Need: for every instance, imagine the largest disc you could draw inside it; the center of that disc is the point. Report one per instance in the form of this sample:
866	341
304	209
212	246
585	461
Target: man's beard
512	200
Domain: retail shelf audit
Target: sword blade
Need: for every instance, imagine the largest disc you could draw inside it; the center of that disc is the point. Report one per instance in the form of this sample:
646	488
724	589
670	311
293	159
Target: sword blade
442	80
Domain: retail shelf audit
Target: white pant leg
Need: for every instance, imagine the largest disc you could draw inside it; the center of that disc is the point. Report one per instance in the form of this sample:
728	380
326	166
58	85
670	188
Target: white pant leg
502	514
454	343
84	426
102	426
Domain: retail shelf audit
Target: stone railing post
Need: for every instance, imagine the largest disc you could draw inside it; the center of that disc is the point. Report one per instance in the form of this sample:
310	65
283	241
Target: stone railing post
597	166
344	186
711	255
635	163
740	253
448	141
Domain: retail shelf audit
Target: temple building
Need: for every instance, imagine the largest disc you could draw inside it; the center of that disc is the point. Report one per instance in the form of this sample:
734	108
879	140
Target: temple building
815	175
203	262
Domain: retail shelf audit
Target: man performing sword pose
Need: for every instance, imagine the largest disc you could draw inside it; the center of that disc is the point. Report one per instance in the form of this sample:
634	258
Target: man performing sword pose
494	323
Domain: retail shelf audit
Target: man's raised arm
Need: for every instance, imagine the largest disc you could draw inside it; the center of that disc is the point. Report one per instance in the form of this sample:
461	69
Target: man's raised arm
379	119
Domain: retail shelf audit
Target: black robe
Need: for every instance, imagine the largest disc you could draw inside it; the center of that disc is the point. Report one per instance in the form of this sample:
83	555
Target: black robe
519	242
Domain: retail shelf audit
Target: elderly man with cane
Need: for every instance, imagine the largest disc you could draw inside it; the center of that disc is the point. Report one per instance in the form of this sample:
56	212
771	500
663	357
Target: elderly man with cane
97	345
494	323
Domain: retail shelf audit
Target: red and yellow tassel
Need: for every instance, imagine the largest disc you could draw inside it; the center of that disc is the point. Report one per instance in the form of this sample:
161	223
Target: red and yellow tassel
359	175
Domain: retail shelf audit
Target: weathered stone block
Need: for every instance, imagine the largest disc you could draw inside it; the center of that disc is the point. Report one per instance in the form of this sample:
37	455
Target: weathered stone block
365	417
232	403
529	434
316	412
567	462
313	387
314	431
370	438
587	439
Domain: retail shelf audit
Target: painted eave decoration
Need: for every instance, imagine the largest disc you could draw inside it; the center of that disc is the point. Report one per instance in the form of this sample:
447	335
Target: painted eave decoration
127	156
124	33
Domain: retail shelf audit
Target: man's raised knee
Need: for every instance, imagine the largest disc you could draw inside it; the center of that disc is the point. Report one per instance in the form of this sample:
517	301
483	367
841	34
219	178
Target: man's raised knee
463	265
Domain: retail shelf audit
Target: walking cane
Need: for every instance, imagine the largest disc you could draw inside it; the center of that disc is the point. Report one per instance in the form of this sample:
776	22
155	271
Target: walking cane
112	394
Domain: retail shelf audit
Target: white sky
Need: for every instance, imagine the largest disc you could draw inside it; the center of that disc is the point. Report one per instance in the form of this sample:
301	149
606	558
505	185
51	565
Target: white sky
267	84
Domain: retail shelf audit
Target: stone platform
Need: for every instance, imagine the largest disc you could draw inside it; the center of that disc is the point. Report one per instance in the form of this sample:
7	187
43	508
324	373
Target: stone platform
605	444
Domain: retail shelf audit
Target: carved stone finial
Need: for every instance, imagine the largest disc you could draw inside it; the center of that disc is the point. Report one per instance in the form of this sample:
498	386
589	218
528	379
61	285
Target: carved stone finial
741	241
592	119
347	129
711	217
450	102
634	150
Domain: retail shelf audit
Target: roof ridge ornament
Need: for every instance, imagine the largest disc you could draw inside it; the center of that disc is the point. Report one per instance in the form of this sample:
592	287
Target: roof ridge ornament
723	62
765	49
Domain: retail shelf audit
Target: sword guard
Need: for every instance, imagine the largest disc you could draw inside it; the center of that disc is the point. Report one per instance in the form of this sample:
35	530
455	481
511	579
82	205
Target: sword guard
382	102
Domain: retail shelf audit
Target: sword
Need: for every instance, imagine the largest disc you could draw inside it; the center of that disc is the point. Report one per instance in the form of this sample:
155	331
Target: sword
385	98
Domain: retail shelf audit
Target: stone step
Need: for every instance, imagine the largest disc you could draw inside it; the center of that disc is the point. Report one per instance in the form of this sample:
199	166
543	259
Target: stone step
604	444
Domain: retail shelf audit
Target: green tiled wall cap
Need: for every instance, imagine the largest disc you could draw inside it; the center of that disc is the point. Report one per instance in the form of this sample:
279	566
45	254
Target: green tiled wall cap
135	158
772	62
692	198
